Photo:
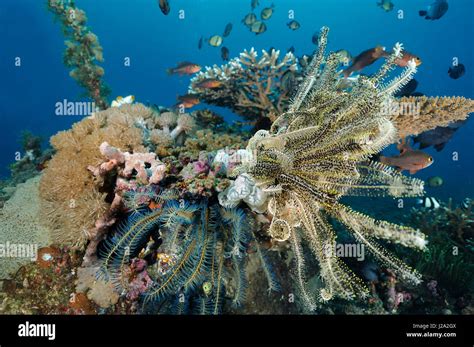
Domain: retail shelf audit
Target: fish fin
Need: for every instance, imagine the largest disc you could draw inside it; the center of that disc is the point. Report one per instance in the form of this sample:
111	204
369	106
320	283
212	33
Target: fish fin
412	172
169	71
347	72
439	147
422	13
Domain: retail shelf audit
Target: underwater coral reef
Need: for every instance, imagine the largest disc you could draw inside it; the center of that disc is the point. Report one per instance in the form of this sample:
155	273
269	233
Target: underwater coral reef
153	210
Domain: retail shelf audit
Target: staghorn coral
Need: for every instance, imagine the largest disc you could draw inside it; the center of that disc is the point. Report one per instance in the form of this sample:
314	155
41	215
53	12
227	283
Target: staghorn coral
433	112
252	87
74	202
318	152
83	50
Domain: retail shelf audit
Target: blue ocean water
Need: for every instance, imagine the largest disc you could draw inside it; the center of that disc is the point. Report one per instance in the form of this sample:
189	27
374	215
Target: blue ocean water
137	29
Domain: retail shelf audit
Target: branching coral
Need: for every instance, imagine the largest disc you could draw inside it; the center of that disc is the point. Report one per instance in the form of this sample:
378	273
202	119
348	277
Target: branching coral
82	50
251	86
319	151
433	112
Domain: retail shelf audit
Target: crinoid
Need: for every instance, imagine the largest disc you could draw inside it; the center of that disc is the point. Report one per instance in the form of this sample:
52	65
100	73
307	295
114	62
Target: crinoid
194	250
318	152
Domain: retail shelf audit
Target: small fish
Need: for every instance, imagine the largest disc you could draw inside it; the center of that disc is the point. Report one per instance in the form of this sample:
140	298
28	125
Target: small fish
438	137
435	11
258	28
164	6
184	68
408	89
188	100
200	42
267	12
406	57
409	159
466	204
386	5
254	4
435	181
208	83
119	101
457	71
225	53
428	202
315	38
293	25
215	41
249	19
365	59
227	30
344	57
288	80
291	49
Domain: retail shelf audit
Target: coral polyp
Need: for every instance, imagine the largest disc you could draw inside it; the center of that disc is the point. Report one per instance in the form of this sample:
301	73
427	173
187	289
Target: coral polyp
318	152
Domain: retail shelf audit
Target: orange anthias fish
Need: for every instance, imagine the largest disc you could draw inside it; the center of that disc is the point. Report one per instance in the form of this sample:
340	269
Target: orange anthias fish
407	56
208	83
188	100
409	159
364	59
184	68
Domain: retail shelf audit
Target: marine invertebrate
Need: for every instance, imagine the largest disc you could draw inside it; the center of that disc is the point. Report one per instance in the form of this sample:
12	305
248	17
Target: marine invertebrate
431	112
449	257
185	124
186	257
318	152
74	202
20	226
252	87
144	167
83	50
